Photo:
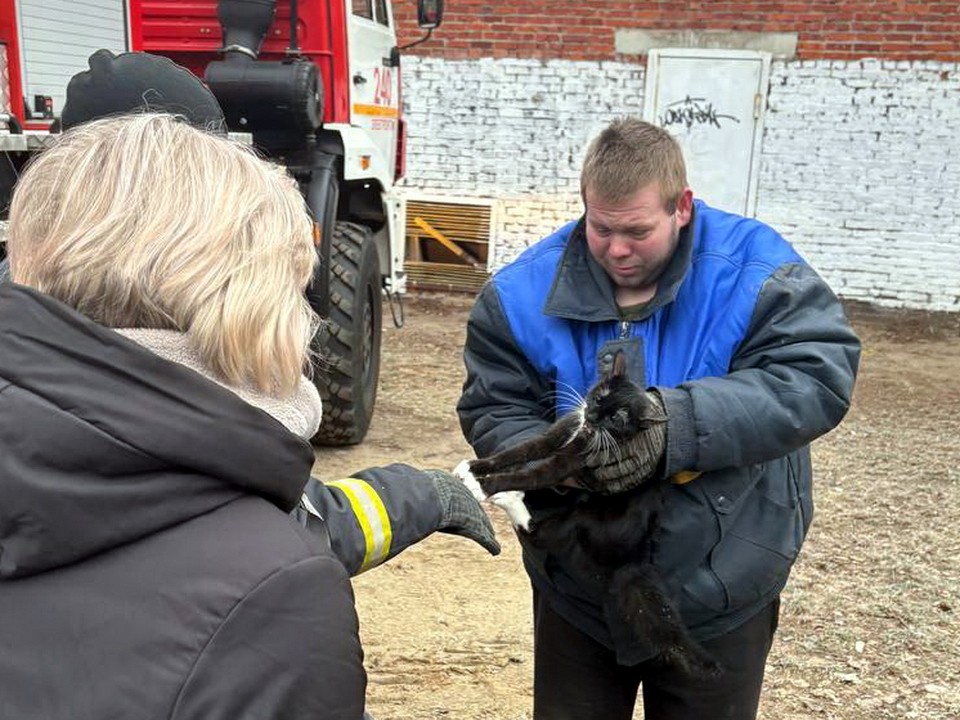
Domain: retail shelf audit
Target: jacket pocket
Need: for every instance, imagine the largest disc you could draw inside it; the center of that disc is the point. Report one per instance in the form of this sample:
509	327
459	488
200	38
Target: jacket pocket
759	543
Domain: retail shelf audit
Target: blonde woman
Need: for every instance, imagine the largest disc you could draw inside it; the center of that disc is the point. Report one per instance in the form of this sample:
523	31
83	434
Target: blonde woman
153	441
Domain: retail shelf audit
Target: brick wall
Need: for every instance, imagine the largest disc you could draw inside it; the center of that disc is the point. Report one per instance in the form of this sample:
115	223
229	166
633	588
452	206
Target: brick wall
860	169
584	29
860	163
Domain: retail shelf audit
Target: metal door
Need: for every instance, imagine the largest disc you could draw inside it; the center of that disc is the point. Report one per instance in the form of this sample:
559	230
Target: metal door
374	82
713	102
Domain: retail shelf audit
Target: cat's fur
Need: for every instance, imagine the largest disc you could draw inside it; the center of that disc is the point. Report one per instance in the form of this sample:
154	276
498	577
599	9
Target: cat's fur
606	537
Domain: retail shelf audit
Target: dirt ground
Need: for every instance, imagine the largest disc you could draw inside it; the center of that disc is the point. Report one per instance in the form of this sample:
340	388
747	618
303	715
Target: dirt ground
869	625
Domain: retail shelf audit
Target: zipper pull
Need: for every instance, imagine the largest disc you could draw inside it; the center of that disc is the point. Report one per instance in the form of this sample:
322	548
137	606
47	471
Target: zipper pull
624	329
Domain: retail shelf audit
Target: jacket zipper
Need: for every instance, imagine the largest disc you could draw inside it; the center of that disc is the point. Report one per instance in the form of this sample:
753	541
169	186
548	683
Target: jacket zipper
624	329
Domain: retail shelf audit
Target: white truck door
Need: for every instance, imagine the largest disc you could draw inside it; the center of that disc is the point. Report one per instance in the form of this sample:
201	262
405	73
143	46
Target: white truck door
713	102
374	83
57	37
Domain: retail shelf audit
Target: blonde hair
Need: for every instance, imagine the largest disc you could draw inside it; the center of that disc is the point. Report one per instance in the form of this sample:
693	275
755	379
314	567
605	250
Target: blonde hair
629	155
144	221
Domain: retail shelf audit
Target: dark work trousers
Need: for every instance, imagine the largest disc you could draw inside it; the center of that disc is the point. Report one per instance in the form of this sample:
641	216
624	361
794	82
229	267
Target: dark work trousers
576	678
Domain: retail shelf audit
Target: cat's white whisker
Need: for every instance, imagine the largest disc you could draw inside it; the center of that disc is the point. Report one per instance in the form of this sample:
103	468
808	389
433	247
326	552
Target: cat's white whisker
614	446
581	421
596	443
573	392
564	395
571	395
570	403
605	447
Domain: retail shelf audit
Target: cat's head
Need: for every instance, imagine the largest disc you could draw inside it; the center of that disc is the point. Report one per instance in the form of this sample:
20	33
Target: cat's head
619	406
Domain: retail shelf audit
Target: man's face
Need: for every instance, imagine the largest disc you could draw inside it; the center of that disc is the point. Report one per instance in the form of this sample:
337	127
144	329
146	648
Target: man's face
634	239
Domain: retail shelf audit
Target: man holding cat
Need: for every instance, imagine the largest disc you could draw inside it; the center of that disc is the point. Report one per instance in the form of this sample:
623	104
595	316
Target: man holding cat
748	352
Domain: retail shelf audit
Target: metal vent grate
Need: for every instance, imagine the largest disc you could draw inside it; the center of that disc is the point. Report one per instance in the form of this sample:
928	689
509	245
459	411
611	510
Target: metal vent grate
448	243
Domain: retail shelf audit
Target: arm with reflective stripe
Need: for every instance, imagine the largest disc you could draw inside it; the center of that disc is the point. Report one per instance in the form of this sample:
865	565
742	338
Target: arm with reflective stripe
371	515
374	515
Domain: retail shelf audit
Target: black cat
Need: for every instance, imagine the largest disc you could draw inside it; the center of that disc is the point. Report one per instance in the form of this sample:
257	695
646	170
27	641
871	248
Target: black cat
606	535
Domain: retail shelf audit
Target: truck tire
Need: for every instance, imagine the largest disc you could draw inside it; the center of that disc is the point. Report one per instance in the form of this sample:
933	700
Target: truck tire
347	368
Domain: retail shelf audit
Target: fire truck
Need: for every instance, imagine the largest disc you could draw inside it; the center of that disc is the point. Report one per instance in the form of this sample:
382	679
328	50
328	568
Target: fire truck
313	84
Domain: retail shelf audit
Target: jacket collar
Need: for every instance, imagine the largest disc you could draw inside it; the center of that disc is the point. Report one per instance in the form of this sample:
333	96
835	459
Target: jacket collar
582	290
300	413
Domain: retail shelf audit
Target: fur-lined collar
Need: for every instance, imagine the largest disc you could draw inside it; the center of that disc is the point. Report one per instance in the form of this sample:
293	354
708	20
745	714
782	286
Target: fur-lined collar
300	413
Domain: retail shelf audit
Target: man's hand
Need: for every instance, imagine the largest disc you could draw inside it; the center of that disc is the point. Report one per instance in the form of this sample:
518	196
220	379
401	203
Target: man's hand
633	462
461	513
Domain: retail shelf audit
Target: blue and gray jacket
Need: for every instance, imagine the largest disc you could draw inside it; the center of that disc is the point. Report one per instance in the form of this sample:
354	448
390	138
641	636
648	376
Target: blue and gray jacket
754	359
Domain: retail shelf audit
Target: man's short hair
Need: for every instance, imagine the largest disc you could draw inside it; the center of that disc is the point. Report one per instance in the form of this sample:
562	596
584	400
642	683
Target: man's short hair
144	221
627	156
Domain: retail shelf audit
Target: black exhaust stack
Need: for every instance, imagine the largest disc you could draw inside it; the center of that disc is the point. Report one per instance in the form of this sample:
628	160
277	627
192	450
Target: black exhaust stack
245	24
280	102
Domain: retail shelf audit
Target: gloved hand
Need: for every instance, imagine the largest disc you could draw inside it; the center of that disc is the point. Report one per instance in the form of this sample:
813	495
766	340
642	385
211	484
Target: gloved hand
461	513
377	513
635	461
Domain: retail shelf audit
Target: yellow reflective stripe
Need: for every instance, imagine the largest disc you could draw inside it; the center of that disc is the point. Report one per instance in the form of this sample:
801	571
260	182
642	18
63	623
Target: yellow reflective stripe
372	516
376	110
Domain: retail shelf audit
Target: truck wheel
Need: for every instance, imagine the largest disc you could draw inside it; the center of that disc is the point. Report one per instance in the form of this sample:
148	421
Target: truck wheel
347	368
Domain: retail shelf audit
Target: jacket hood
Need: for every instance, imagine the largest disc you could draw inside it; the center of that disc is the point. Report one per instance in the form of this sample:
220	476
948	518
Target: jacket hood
102	442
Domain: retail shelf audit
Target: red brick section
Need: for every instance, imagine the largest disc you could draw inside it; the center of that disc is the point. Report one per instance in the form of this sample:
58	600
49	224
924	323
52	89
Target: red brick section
584	29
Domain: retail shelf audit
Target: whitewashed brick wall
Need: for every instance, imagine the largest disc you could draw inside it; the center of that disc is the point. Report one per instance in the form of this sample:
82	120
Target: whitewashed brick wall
860	160
512	130
861	170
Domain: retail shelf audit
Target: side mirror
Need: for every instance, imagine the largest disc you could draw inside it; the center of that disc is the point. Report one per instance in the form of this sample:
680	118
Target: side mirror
429	13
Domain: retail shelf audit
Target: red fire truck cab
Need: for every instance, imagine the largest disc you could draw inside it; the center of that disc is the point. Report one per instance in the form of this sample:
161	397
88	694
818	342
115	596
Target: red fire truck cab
314	84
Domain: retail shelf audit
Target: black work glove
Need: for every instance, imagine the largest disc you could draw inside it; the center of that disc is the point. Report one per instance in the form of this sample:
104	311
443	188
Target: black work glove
633	462
461	514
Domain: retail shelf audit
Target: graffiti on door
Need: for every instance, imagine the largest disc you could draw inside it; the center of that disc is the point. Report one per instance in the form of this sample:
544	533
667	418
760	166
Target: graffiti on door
693	111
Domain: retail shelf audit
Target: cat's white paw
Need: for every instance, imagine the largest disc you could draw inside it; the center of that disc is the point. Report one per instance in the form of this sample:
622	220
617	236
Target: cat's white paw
462	471
512	502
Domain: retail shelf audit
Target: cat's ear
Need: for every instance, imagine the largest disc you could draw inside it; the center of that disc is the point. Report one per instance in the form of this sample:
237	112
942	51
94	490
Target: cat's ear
619	368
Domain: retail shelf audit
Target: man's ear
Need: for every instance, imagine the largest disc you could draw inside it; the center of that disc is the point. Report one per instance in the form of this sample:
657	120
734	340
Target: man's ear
685	207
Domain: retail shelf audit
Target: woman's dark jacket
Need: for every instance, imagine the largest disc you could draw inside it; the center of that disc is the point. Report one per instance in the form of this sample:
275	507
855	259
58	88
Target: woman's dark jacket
148	567
754	359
